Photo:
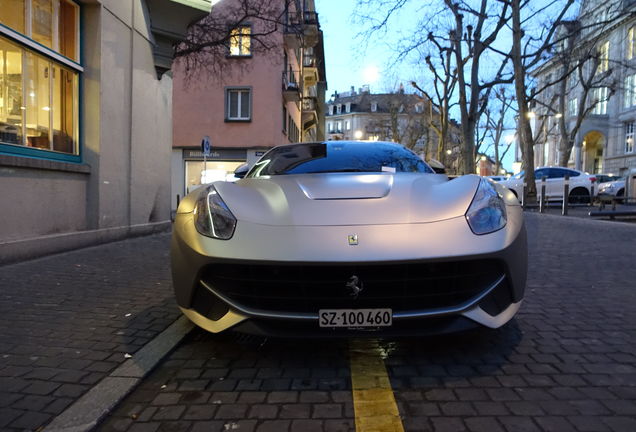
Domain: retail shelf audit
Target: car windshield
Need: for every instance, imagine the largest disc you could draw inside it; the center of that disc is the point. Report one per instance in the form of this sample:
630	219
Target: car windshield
519	175
338	156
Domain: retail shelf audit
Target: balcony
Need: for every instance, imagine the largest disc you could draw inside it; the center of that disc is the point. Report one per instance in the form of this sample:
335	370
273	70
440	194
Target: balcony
291	88
311	28
309	113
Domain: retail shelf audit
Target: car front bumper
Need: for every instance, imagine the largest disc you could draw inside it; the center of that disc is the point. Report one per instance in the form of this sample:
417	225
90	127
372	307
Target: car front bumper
447	242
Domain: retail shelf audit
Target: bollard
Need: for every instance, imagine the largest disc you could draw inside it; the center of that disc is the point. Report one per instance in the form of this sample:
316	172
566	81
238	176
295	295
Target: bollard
542	201
566	195
591	203
523	195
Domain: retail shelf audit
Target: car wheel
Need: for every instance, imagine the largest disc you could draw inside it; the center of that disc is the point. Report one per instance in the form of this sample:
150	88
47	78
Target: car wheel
579	196
620	195
515	194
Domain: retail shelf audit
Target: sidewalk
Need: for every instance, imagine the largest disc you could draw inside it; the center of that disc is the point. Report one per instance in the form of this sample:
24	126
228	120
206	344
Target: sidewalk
583	211
68	320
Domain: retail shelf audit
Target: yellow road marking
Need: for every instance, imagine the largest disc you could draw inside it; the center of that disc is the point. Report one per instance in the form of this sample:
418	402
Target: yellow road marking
373	400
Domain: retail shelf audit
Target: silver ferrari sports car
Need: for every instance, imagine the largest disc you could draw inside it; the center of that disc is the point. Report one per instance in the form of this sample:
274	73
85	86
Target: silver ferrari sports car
345	238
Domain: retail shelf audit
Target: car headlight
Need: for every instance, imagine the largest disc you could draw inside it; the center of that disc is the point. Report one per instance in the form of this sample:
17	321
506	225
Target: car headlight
487	212
212	217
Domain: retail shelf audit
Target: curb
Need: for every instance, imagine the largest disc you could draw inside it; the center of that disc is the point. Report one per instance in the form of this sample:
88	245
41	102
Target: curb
86	413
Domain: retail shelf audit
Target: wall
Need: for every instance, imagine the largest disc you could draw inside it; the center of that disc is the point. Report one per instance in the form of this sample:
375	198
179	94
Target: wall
122	186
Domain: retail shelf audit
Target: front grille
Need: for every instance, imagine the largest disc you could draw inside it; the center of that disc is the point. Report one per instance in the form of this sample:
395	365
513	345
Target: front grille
307	287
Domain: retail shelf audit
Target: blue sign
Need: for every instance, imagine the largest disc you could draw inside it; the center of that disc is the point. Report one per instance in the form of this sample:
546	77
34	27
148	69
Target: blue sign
206	147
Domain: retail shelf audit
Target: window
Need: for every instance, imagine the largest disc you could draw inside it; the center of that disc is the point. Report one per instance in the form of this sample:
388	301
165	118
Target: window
39	94
347	125
573	107
330	109
294	132
240	41
630	91
629	137
599	98
374	106
338	127
238	104
603	57
51	23
329	127
348	107
631	43
285	120
419	108
339	109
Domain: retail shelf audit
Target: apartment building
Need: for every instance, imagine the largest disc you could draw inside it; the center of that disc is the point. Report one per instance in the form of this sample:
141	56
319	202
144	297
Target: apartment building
262	98
599	91
85	109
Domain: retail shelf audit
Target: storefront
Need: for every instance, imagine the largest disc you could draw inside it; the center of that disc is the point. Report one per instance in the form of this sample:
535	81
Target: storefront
190	170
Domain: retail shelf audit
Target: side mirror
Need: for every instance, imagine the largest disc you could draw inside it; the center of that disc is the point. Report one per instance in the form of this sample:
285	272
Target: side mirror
241	170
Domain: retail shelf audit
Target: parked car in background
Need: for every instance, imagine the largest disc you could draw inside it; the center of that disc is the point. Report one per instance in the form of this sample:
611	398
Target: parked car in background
497	178
605	178
612	189
580	184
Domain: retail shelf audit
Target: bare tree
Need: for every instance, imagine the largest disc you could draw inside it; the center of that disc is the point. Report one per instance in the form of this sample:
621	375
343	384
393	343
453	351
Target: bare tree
474	89
210	40
495	124
441	67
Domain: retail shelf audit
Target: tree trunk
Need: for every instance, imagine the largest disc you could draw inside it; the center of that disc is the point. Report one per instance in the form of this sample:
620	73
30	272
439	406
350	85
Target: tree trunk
524	131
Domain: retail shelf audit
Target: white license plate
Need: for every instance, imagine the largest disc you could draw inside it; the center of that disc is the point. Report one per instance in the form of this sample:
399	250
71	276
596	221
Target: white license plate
355	317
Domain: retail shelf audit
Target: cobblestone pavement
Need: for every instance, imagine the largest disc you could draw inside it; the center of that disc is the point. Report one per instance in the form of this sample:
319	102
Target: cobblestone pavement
68	320
566	363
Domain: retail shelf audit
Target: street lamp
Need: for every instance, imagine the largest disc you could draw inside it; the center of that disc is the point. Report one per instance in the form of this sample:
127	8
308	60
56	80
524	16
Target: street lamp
358	134
531	114
558	115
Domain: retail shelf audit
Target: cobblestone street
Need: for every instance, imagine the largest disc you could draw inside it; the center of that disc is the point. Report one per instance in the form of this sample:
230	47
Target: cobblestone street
566	363
68	320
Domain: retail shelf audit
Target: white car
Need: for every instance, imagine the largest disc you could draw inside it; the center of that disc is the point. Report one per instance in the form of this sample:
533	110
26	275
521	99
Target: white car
614	188
580	184
497	178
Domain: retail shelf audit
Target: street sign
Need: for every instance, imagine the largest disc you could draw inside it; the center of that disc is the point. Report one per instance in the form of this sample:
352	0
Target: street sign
206	146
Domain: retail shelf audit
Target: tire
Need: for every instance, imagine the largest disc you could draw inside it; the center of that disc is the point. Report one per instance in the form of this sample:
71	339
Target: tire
579	195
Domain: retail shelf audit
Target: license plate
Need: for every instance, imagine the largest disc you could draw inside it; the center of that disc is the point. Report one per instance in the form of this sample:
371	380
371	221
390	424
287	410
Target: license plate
355	317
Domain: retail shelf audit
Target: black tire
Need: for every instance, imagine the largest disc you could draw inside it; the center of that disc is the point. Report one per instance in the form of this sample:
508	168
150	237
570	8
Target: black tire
619	195
579	195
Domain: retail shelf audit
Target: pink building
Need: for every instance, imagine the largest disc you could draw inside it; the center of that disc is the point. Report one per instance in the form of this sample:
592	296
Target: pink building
259	100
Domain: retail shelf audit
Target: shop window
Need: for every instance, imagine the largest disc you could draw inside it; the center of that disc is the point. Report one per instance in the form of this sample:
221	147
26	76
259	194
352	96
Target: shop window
39	89
12	14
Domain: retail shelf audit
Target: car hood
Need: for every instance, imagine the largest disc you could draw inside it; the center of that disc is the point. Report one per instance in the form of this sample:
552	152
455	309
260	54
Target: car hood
345	198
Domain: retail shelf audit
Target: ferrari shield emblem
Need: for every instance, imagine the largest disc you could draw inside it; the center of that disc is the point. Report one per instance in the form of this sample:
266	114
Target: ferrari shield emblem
353	239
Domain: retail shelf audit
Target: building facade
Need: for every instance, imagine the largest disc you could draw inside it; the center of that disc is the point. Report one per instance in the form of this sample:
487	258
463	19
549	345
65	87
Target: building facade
85	109
599	93
260	100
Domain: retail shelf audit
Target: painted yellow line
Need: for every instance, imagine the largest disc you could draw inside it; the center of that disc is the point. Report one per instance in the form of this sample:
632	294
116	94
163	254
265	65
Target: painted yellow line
373	401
